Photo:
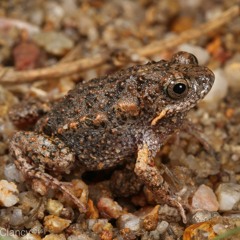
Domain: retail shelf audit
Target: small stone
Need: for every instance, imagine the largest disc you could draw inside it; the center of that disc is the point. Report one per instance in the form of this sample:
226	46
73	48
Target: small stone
92	212
27	55
108	208
82	236
150	221
219	89
54	207
8	193
54	13
80	190
16	217
129	221
11	173
39	186
228	195
204	198
55	43
97	225
232	72
161	228
30	236
54	237
54	224
219	228
203	216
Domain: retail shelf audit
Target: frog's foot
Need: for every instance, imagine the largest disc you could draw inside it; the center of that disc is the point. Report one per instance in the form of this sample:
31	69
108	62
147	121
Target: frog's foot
27	152
151	177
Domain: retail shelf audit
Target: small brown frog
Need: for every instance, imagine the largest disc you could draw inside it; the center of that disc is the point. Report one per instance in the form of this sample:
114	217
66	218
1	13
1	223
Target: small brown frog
108	120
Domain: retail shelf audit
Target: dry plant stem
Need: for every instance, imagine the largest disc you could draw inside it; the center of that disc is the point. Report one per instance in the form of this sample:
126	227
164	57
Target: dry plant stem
190	34
9	75
72	55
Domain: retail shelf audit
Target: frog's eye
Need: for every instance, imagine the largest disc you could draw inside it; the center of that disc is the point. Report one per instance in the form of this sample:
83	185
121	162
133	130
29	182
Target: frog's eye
177	89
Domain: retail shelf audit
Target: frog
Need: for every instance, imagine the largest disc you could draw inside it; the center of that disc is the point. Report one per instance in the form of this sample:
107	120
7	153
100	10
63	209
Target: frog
109	120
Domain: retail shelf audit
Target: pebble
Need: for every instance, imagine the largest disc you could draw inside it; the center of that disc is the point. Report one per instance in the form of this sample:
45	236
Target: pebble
54	237
54	224
97	225
204	198
16	217
26	56
203	216
201	53
228	195
108	208
219	89
30	236
150	221
54	207
80	190
129	221
11	173
54	13
219	228
190	4
79	237
161	228
232	72
8	193
55	43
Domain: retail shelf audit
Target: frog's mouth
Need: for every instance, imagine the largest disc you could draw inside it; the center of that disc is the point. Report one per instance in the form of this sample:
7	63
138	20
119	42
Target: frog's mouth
167	111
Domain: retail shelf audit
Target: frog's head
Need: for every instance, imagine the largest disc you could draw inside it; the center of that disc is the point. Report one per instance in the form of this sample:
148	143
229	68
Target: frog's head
184	83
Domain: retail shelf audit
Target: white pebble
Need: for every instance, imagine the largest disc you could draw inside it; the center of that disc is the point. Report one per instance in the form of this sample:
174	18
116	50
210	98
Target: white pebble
130	221
30	236
203	216
190	4
228	196
204	198
55	43
232	72
53	236
201	54
81	236
219	89
16	217
161	228
219	228
11	173
8	193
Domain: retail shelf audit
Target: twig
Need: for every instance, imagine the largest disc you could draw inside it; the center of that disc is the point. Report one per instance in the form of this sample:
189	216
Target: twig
190	34
9	75
9	22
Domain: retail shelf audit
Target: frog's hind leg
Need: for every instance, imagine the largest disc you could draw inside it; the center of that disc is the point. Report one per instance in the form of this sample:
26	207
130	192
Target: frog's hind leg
151	177
34	153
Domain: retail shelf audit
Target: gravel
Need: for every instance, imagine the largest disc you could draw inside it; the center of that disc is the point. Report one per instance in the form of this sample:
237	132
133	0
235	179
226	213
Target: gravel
228	195
203	161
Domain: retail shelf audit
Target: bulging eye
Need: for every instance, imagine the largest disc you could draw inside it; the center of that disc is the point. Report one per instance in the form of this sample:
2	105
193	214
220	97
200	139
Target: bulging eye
177	89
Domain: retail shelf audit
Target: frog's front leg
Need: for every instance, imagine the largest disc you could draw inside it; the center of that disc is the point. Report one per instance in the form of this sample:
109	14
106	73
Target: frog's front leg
150	175
36	153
